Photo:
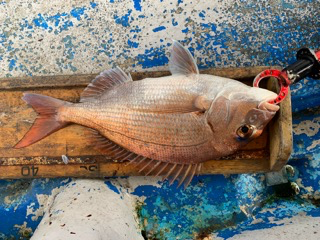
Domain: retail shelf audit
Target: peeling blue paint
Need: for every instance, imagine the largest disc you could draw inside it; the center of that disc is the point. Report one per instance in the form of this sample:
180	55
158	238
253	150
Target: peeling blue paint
20	194
60	21
158	29
77	13
137	5
185	30
12	64
174	22
40	22
152	57
93	4
282	209
202	14
133	44
112	187
212	204
124	20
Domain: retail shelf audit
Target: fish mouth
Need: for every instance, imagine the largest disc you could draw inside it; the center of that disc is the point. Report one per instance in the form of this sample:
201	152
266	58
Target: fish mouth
264	97
266	104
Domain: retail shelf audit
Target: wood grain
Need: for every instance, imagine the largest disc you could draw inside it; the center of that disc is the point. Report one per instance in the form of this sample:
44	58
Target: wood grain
16	118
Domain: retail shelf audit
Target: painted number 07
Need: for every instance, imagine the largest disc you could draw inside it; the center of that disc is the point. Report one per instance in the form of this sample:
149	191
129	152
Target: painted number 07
29	171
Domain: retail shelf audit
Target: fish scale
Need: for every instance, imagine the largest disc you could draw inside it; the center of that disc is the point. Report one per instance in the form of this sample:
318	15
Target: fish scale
146	127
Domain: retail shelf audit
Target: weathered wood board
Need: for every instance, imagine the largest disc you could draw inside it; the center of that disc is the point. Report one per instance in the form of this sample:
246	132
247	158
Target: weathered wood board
43	159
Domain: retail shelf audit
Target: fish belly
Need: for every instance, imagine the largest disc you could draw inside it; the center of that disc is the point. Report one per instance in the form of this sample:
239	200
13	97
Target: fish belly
178	138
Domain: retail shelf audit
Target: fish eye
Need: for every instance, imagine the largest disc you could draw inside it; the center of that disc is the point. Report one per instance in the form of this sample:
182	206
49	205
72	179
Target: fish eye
245	131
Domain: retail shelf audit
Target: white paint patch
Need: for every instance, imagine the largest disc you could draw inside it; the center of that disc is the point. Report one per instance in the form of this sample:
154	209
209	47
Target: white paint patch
310	128
44	202
99	36
297	227
131	183
89	209
314	144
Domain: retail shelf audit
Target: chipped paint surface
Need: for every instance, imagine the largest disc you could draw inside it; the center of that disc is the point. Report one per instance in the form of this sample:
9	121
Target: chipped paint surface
84	37
89	209
299	226
55	37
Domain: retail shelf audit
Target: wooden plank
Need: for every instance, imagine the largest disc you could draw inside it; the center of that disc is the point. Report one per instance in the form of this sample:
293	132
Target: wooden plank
16	118
103	169
281	135
82	80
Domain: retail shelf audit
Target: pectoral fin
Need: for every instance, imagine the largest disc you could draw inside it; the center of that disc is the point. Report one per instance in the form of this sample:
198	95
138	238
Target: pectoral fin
202	102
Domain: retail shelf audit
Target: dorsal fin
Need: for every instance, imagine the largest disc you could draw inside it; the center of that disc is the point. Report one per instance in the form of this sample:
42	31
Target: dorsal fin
181	61
104	81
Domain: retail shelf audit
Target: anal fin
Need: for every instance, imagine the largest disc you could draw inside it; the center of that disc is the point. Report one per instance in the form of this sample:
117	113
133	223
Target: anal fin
108	147
183	173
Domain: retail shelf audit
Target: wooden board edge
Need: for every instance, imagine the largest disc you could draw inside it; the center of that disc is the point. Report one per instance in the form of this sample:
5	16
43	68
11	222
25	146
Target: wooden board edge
281	140
112	169
82	80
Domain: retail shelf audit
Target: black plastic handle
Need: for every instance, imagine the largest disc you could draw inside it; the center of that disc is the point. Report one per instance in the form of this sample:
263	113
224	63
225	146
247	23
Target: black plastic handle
307	65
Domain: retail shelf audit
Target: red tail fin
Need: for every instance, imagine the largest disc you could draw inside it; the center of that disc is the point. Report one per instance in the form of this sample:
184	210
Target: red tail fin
47	121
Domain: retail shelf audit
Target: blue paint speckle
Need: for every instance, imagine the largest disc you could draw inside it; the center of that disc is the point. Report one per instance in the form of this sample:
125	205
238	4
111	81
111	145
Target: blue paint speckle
185	30
93	4
77	12
61	21
287	5
174	22
153	57
12	64
201	14
124	20
40	22
158	29
133	44
112	187
137	5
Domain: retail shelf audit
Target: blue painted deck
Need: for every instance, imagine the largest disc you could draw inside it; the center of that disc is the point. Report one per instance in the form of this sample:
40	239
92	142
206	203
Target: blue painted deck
249	33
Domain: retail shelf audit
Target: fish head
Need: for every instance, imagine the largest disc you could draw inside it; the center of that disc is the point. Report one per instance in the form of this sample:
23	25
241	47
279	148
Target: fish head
239	115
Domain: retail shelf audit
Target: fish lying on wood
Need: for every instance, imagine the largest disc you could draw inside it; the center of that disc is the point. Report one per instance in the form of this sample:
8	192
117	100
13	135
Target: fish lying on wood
166	126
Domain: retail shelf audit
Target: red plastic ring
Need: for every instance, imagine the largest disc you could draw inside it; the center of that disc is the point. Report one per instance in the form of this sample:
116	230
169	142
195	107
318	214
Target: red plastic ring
280	76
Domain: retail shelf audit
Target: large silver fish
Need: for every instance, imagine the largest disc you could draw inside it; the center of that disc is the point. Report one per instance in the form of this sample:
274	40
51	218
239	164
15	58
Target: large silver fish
167	125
